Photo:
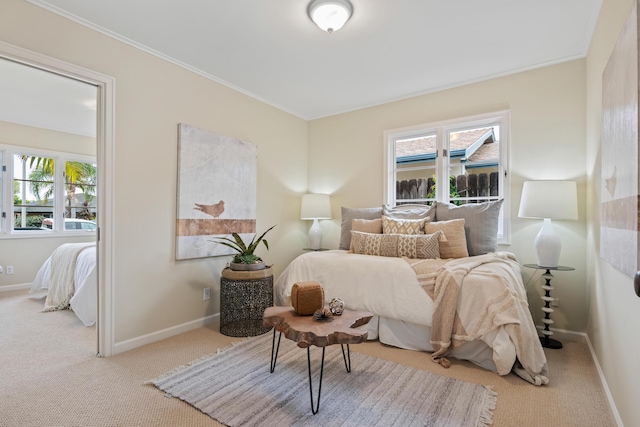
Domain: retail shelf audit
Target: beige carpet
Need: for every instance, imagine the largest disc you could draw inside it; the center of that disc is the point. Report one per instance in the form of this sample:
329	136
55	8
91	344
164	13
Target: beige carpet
50	377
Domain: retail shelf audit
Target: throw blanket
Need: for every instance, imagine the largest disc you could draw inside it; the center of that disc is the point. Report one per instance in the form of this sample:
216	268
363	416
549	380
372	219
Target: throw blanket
483	297
63	267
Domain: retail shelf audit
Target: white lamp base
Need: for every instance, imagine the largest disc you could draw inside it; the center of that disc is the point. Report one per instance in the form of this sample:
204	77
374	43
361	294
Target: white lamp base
315	235
547	245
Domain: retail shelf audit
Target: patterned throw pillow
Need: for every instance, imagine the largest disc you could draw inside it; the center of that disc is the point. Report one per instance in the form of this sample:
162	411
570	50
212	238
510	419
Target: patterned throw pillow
456	243
373	226
423	246
403	226
374	244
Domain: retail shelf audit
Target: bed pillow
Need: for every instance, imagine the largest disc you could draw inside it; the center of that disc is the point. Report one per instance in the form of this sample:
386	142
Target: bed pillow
403	226
373	226
455	245
409	211
423	246
348	214
480	223
374	244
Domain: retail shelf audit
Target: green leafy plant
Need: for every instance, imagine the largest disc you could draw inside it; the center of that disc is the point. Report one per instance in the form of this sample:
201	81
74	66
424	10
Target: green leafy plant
245	253
453	192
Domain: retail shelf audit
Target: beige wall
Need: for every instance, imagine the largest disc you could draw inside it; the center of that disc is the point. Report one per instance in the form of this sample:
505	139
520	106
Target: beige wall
152	291
614	310
547	142
27	254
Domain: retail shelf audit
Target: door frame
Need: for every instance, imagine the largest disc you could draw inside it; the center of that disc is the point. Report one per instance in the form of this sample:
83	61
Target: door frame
105	152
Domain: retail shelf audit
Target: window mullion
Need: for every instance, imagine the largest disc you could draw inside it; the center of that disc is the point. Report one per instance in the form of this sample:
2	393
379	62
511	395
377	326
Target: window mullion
442	166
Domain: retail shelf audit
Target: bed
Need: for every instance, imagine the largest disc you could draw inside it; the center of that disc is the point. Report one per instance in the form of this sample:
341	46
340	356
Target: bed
435	282
70	277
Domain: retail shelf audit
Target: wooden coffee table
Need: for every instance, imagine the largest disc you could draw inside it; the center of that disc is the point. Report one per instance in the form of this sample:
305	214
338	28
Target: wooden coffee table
307	331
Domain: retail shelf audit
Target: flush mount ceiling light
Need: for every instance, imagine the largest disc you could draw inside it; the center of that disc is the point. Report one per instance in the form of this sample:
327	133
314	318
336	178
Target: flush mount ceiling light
330	15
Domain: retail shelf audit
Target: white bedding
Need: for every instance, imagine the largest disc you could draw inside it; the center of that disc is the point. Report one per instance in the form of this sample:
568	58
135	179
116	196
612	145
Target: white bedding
84	301
387	288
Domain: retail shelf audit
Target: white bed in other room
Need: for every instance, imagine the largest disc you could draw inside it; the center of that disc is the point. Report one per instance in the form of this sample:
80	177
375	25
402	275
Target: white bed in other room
80	272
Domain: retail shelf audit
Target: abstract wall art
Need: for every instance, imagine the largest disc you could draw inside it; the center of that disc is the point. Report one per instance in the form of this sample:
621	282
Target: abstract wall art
217	187
619	238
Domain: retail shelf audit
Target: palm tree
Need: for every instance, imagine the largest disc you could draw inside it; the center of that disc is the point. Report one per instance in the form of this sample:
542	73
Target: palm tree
78	175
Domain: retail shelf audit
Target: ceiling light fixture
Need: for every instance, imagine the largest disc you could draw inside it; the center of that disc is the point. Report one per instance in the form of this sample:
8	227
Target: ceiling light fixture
330	15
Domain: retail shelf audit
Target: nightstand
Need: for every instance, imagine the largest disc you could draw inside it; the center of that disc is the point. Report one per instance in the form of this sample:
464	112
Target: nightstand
545	340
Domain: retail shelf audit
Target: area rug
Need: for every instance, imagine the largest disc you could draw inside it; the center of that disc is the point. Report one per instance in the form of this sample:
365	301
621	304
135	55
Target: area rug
236	388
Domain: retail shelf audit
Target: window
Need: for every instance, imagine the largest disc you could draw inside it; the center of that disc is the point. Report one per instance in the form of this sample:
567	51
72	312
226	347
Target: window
40	197
458	161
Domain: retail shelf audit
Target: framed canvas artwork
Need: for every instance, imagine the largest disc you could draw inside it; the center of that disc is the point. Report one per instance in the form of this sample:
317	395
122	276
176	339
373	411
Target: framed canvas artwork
619	238
217	187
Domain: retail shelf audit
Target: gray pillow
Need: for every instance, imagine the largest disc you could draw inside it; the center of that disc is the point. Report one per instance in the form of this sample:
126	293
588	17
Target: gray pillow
349	214
480	223
409	211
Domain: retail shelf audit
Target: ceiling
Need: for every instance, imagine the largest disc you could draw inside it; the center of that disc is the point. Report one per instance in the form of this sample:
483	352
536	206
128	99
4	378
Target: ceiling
388	50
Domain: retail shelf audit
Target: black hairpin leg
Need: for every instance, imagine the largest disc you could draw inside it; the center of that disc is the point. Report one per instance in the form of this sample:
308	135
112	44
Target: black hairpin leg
347	358
274	357
317	405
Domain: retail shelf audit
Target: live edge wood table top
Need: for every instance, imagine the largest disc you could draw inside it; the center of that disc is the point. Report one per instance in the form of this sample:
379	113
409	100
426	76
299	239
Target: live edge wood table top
307	331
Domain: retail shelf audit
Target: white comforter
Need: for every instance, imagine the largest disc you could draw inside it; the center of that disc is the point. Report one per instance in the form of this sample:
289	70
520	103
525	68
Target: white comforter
387	287
84	300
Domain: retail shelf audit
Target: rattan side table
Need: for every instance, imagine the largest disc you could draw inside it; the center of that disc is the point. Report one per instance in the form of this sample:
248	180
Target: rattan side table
244	296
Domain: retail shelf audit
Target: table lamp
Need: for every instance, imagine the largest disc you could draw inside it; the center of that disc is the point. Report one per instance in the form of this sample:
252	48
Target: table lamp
548	200
315	207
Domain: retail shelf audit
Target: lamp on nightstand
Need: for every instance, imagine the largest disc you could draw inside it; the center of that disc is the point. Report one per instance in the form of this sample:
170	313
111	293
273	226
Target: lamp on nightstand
315	207
548	200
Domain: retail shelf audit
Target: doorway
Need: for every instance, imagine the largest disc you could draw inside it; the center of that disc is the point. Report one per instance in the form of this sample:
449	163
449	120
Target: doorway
102	87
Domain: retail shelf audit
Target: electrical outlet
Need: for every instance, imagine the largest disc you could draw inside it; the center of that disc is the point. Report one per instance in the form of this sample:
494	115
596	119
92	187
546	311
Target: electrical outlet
206	294
555	302
9	269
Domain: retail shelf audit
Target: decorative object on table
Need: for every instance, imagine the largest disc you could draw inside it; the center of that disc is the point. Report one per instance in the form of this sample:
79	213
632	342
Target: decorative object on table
245	259
244	295
323	314
315	207
217	191
330	15
549	200
307	297
620	187
336	306
546	339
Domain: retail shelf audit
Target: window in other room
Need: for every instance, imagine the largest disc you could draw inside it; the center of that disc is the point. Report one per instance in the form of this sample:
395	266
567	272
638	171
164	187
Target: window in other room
45	193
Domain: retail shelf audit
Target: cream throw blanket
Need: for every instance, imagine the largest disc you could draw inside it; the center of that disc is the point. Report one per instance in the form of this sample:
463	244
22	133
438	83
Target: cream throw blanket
63	267
483	297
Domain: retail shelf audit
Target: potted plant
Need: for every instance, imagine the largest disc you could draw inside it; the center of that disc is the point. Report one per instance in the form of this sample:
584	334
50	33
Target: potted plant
245	259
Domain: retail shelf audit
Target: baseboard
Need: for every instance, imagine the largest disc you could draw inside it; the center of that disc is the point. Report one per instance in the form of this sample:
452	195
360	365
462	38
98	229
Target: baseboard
563	334
127	345
20	287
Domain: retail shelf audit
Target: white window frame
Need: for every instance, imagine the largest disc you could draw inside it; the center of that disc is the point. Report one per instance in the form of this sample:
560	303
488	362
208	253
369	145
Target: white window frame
7	153
442	130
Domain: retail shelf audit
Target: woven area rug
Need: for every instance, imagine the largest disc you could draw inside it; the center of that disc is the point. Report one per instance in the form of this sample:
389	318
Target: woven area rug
236	388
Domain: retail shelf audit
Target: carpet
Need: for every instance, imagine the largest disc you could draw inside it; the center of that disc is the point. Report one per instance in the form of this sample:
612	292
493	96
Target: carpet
236	388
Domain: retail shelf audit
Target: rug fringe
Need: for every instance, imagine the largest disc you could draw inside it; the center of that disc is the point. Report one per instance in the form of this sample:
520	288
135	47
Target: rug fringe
486	416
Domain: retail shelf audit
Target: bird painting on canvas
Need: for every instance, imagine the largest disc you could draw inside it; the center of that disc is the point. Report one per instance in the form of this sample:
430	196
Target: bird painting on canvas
214	210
